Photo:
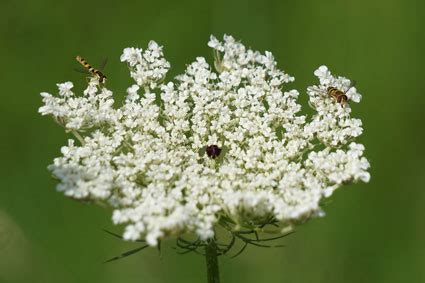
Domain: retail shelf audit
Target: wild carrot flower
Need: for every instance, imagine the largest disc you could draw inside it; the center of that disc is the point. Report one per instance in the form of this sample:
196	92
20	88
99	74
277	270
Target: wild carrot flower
208	148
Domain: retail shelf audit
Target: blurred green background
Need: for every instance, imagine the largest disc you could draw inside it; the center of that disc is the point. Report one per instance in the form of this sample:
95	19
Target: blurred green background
372	232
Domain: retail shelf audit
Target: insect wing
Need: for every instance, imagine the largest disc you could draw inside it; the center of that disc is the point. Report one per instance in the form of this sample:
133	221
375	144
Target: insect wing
103	64
82	70
316	89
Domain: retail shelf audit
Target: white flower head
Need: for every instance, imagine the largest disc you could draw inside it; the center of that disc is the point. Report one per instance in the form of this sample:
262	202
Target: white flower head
147	68
324	75
214	43
132	92
132	56
228	147
65	88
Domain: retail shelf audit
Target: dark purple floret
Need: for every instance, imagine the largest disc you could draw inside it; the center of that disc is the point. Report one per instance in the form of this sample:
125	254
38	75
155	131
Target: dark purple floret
213	151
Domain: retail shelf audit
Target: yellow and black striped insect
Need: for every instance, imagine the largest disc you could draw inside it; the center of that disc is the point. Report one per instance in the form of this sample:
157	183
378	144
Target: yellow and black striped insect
339	95
95	72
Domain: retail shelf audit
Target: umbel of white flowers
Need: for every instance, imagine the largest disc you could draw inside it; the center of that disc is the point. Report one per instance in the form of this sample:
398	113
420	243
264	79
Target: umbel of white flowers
179	157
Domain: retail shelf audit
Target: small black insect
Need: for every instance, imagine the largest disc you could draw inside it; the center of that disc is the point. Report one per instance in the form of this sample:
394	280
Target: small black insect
213	151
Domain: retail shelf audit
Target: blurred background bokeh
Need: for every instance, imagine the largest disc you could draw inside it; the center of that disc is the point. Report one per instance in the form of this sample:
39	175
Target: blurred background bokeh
372	232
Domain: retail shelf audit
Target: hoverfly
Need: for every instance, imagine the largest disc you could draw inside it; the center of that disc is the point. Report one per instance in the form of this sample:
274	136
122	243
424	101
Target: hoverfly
89	69
339	95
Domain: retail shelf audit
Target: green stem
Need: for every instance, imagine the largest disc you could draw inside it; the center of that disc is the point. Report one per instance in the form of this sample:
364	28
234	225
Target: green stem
212	262
78	136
